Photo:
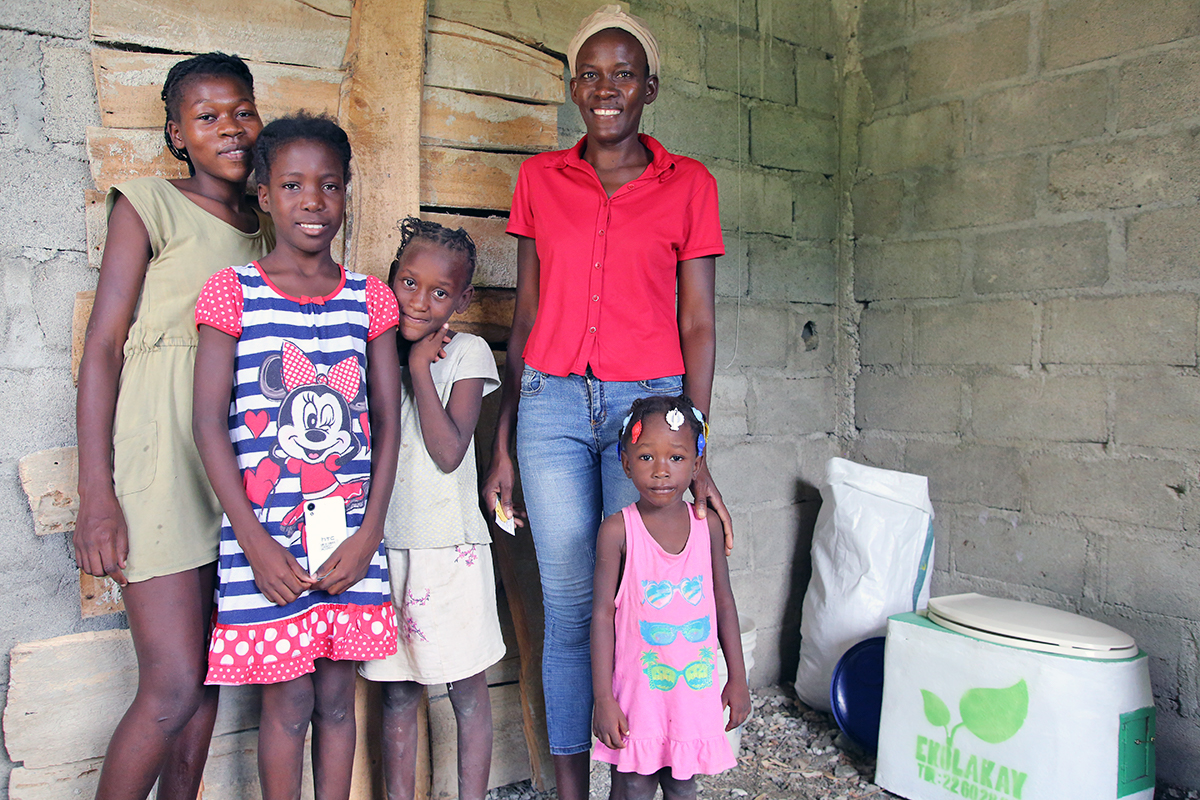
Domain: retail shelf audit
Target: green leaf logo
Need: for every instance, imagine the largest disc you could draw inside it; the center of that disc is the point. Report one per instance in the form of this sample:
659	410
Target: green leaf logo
992	714
935	710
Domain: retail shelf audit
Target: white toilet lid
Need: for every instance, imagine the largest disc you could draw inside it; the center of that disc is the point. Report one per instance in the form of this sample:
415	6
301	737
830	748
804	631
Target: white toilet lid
1030	626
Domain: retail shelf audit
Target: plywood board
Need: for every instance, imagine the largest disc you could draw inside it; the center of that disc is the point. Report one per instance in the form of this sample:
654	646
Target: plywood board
474	60
489	315
551	23
95	220
380	97
120	154
482	122
453	178
50	479
283	31
495	250
67	694
510	759
99	596
79	322
55	783
129	88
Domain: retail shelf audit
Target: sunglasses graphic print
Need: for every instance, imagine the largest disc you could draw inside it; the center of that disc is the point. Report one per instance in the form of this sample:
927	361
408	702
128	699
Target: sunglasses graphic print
663	633
696	675
659	593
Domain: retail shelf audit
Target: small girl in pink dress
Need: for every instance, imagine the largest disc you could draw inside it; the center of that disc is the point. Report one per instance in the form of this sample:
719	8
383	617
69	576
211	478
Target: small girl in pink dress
662	603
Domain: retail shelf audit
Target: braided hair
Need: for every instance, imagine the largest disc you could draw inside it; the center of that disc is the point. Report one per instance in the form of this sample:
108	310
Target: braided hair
456	240
664	404
208	65
300	127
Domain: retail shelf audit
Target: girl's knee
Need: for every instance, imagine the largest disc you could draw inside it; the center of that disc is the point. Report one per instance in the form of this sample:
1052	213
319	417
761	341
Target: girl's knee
676	789
401	697
470	697
289	706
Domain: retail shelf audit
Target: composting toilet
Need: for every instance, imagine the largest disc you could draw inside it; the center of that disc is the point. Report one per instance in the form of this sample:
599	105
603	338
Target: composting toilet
993	699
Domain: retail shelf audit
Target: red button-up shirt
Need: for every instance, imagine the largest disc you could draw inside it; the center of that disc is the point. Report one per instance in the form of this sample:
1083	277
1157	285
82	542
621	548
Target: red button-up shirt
608	264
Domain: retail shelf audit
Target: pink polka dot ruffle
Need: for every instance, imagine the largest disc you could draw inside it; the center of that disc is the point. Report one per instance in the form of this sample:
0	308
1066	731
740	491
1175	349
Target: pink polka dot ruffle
274	652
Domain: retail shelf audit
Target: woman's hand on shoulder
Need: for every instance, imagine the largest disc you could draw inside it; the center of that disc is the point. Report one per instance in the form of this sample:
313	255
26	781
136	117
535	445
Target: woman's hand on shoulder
706	496
102	538
277	573
349	562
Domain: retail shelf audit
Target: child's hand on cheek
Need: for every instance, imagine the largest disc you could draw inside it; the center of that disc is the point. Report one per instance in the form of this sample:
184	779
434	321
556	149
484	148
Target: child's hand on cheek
278	574
429	349
736	697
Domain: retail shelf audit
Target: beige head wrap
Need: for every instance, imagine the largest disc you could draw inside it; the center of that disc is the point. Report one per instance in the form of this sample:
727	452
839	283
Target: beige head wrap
611	16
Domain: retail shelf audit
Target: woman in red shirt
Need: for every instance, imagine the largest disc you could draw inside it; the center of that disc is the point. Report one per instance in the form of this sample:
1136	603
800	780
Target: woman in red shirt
616	260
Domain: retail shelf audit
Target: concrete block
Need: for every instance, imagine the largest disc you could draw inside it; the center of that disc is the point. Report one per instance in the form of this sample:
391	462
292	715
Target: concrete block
1155	89
881	335
814	208
930	268
906	141
732	268
874	450
816	82
977	474
807	24
728	411
789	138
791	406
994	51
1031	555
53	285
742	557
1047	112
887	75
678	44
1064	257
1133	491
783	269
881	22
926	403
67	18
1145	329
1161	409
754	201
752	335
763	595
877	207
783	538
675	116
1138	567
974	333
812	338
1164	638
1078	31
69	93
1164	245
977	193
723	10
1058	408
1126	173
760	472
35	425
750	64
1179	741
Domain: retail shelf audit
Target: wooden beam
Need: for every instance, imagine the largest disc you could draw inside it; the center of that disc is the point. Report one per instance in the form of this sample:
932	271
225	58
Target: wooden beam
474	60
95	221
468	178
50	479
79	321
121	154
129	88
283	31
381	98
99	596
550	23
481	122
495	250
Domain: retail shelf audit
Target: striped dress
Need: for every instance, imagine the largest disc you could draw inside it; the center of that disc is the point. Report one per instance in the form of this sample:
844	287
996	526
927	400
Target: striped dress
299	426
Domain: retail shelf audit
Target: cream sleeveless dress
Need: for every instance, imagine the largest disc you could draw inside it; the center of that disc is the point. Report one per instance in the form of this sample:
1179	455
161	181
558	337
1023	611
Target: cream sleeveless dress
173	516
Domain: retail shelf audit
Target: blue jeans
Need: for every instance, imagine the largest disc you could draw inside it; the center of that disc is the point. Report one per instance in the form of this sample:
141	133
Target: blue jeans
571	476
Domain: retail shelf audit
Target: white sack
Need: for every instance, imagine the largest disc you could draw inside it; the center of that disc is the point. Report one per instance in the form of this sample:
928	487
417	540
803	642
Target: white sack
871	553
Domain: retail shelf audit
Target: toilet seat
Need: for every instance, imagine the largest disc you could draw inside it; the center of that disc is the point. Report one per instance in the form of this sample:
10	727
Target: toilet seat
1030	627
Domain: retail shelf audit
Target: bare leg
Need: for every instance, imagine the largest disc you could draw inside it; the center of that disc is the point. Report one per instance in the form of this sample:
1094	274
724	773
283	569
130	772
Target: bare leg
400	702
631	786
333	728
675	789
168	618
287	709
473	715
571	773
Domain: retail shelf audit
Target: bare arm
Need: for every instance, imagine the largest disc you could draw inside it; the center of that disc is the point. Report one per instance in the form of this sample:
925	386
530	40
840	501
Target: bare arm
101	537
498	481
698	340
447	430
349	563
609	723
736	694
278	575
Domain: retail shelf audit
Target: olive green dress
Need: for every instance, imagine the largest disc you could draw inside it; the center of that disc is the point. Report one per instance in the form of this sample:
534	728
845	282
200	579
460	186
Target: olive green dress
173	516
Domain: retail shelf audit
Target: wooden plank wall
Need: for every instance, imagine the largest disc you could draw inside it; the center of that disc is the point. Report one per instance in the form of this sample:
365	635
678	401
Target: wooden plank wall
487	100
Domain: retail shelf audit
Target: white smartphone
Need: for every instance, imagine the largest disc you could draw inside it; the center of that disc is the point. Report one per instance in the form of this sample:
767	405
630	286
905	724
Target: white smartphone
324	530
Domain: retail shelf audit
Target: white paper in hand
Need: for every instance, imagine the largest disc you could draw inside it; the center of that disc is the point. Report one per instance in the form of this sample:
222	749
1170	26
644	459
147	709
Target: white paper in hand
324	530
505	523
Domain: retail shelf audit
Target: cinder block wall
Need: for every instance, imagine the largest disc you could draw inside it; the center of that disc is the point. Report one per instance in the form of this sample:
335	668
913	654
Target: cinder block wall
1025	281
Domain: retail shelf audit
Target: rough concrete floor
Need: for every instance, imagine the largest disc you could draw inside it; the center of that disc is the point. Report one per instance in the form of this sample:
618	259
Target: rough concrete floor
789	752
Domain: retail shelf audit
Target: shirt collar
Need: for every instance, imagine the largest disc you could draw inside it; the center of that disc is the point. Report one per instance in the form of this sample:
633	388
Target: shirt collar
662	165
